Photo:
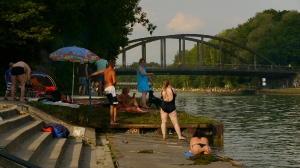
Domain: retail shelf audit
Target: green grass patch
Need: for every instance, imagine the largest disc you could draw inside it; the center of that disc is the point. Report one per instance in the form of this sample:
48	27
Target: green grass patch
99	117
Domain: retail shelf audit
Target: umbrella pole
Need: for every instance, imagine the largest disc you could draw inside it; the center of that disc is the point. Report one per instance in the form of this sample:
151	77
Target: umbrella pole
73	81
89	85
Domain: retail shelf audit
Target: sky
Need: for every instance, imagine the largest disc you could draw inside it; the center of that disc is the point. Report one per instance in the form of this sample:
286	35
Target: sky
208	17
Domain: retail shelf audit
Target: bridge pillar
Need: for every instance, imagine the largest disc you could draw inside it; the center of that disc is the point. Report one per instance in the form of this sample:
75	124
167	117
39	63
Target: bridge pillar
215	57
254	61
144	51
124	59
237	57
165	57
161	53
220	49
202	52
179	53
183	53
198	55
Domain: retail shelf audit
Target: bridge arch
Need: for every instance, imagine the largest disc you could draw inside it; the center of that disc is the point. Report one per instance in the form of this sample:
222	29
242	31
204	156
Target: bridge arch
200	60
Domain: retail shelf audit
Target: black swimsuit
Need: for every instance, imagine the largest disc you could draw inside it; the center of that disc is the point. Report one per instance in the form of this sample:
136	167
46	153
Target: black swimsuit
169	107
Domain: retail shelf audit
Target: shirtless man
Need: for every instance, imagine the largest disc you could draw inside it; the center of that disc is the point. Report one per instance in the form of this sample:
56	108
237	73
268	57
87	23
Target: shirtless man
199	144
18	72
109	89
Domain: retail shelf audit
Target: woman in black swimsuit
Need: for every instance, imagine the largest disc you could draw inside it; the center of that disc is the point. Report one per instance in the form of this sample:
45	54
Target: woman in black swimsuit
168	108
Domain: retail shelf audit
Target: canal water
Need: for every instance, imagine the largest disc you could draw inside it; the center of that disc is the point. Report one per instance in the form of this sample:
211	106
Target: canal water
259	131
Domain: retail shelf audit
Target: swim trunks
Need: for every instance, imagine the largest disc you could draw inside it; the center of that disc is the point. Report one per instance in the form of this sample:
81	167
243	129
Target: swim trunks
17	71
111	95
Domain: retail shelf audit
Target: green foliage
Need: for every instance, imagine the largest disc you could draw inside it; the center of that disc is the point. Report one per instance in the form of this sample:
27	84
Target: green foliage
203	159
30	30
100	116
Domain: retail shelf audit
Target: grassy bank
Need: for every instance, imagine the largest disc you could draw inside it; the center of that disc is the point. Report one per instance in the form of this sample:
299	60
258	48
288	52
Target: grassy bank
99	117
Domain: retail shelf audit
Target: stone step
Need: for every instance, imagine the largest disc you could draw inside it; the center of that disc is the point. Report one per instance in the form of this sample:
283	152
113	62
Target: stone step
21	136
72	154
14	137
10	112
13	122
30	149
52	154
88	158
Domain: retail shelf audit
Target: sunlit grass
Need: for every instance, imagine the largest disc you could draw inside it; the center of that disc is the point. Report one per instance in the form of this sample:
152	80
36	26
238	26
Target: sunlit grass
99	116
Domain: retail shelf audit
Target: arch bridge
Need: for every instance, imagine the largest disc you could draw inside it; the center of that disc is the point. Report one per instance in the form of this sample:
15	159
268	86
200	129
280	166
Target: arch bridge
238	65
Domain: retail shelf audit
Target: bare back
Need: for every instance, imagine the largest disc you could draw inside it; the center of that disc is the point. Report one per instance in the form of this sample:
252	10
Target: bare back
109	77
167	94
24	65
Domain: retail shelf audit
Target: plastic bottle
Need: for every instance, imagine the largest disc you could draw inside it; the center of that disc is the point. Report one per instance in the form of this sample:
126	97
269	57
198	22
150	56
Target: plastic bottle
0	118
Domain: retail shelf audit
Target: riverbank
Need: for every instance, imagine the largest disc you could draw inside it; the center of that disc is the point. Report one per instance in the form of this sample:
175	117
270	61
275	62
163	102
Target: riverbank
281	91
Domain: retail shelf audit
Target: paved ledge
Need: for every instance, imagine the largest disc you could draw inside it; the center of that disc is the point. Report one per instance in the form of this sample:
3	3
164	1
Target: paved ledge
158	126
214	130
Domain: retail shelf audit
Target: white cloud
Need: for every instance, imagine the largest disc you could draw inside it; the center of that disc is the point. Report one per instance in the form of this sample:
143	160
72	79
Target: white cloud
187	23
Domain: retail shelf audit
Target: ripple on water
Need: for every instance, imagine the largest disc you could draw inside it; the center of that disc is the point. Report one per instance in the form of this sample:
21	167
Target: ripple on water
259	131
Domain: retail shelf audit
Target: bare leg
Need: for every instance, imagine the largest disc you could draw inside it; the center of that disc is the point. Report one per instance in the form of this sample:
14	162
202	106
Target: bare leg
100	88
13	86
134	102
164	118
173	117
111	111
143	99
83	89
21	78
113	114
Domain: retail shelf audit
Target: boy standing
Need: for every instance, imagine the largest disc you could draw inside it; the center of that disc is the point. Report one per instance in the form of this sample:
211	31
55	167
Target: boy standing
7	78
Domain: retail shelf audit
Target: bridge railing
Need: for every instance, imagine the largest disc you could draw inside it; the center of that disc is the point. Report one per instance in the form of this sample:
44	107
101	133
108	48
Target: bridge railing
228	67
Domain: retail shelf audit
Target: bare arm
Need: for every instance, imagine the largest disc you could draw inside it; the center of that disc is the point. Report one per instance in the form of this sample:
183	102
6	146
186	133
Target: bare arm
174	91
28	74
123	100
96	73
150	80
86	71
144	74
113	74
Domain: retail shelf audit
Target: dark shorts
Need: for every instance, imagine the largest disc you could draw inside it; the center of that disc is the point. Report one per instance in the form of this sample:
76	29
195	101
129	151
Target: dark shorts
17	71
112	100
100	77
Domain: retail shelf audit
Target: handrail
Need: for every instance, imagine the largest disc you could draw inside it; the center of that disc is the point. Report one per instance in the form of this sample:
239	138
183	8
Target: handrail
17	160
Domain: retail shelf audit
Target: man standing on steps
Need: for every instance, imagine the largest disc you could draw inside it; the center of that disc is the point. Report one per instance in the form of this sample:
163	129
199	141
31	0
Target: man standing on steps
110	91
101	64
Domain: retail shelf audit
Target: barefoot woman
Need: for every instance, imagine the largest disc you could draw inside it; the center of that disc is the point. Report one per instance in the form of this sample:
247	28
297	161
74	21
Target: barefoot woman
168	108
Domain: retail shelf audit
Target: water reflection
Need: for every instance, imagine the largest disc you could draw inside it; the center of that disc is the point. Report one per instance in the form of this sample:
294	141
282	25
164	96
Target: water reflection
260	131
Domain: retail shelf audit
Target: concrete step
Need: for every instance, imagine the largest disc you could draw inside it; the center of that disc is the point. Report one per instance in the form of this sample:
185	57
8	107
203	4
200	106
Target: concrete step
32	147
52	154
72	154
6	113
13	122
14	137
21	136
